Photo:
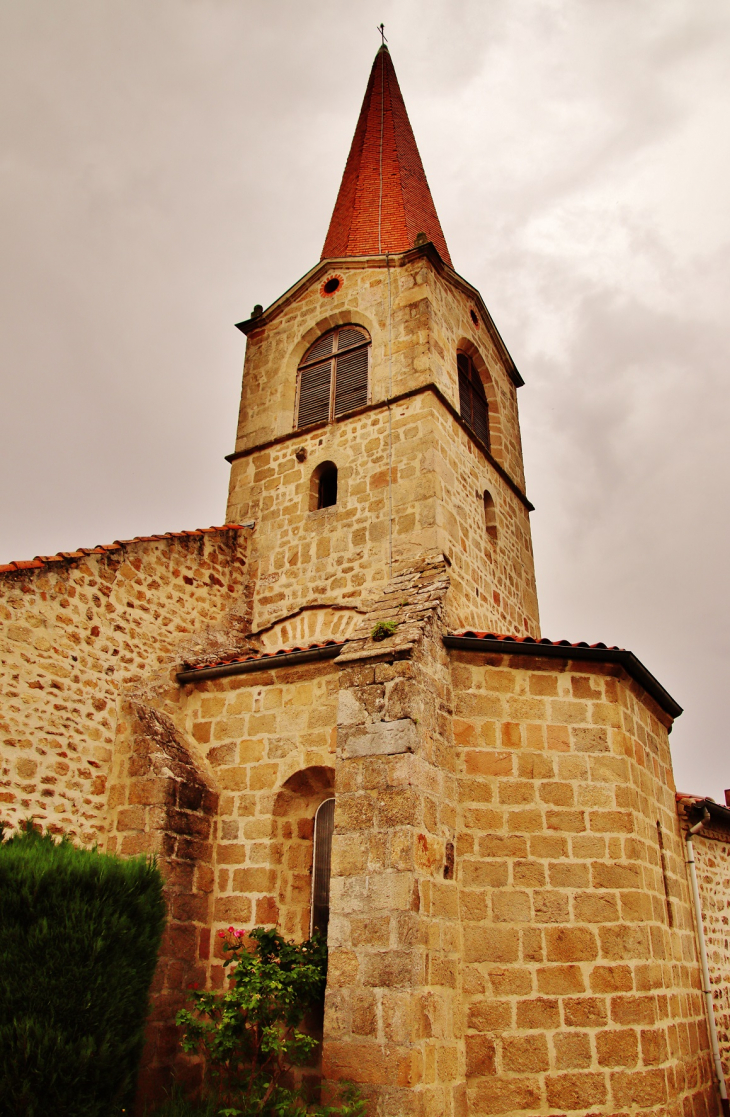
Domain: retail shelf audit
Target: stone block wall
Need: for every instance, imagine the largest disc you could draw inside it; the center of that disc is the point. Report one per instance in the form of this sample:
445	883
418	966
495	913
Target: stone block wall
581	982
268	739
255	753
78	635
510	926
341	554
453	328
712	865
392	1017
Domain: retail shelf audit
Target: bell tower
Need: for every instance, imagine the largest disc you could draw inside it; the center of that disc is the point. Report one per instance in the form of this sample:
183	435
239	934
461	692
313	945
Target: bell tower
378	421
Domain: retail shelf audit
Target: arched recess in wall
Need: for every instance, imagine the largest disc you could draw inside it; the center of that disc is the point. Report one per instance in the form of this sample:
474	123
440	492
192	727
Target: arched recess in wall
496	442
295	808
308	625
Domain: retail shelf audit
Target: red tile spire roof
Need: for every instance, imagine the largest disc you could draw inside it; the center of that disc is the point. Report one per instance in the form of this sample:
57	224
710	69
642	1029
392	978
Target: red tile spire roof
384	200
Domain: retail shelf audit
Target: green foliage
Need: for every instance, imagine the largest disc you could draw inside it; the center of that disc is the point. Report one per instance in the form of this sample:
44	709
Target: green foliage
349	1104
384	629
79	936
178	1105
250	1034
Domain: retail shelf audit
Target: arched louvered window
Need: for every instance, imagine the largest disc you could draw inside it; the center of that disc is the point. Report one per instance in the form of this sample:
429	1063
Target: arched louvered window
333	375
472	400
324	824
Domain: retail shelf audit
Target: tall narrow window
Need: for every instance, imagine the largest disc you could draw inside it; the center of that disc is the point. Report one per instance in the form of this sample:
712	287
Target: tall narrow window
333	375
490	515
324	823
323	486
472	400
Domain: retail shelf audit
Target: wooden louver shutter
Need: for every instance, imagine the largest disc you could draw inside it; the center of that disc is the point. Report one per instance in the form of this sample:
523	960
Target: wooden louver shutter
351	369
314	394
315	379
351	380
324	823
342	353
472	400
462	363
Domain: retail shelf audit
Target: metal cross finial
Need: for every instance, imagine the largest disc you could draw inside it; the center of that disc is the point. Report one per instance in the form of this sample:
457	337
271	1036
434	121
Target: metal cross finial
381	29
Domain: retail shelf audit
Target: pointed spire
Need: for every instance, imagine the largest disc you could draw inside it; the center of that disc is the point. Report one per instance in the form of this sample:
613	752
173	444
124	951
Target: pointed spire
384	200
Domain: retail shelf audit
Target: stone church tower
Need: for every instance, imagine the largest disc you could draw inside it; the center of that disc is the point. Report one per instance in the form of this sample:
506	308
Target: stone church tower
337	710
427	454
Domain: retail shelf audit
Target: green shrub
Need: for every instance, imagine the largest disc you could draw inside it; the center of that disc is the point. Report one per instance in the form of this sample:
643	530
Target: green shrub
250	1033
179	1105
79	936
349	1103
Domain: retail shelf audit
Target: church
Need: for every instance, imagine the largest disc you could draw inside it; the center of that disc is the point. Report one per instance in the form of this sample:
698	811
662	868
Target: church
337	711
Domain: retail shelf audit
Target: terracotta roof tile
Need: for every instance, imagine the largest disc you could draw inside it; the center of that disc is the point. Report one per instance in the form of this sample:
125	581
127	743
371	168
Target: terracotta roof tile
257	655
367	220
531	640
69	556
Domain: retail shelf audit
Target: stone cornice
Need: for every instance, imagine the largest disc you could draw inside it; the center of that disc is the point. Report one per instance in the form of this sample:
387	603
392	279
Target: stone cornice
301	432
426	251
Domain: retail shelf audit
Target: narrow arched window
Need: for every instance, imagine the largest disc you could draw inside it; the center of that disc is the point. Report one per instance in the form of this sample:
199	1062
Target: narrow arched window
490	515
324	824
472	400
323	486
333	375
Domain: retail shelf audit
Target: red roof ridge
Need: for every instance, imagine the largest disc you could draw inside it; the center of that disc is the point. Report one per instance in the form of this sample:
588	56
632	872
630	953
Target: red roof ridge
384	200
119	544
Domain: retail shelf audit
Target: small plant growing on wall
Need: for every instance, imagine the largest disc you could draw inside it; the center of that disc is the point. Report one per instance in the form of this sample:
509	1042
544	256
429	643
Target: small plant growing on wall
250	1034
384	629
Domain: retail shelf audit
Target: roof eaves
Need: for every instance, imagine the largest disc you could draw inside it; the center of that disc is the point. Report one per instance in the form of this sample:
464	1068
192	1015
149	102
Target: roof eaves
260	661
564	649
695	807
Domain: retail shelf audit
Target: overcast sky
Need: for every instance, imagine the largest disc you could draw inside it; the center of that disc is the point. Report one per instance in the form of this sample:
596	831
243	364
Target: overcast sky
165	165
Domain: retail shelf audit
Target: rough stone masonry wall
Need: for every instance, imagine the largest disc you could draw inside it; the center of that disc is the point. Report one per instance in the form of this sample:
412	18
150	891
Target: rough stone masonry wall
581	983
268	740
222	779
340	555
452	329
492	578
162	802
79	634
438	474
712	858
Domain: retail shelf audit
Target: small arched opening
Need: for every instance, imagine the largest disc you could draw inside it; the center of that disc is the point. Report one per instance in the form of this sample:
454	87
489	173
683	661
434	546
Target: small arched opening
490	515
323	486
298	830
